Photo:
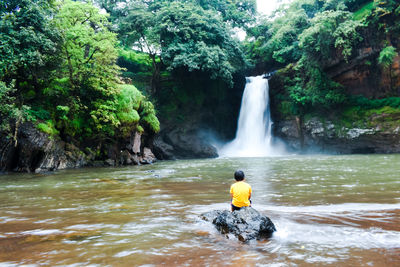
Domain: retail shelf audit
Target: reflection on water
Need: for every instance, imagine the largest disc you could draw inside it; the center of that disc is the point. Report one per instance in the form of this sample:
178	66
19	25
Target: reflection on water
338	210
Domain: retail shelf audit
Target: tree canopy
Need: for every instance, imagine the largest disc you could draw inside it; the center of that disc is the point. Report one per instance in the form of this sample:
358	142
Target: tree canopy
185	35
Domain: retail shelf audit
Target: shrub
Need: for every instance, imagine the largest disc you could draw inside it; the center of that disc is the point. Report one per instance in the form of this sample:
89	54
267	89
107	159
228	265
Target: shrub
133	109
47	127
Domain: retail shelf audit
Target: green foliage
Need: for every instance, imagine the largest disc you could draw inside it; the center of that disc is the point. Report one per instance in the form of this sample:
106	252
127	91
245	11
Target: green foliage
201	43
318	92
364	112
309	37
39	113
88	49
284	42
364	11
148	116
48	127
188	36
28	43
286	108
386	56
386	7
239	13
103	116
329	29
134	61
7	107
11	115
58	69
62	112
387	16
88	77
366	103
128	102
135	112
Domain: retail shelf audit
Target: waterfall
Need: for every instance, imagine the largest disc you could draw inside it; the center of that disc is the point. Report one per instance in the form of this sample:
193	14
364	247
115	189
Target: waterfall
253	136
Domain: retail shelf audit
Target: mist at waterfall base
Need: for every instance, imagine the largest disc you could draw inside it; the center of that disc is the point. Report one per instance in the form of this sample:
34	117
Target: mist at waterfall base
253	136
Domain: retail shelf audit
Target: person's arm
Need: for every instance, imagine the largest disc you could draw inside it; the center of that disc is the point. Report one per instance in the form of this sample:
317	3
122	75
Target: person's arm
250	193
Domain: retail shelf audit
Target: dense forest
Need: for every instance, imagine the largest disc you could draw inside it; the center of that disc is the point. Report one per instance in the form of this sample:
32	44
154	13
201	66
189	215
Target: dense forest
308	39
92	72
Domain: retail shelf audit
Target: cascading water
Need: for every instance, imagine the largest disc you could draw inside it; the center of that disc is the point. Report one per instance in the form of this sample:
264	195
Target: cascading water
253	136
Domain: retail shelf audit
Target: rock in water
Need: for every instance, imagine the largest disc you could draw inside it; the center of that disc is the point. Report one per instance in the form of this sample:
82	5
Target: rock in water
246	224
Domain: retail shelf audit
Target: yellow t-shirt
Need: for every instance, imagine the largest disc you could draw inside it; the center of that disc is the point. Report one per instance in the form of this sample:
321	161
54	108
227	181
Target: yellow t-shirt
241	192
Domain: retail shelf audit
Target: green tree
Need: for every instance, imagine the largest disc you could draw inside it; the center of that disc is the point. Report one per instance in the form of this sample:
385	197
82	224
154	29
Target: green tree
239	13
28	42
194	39
284	44
184	36
329	31
88	77
139	28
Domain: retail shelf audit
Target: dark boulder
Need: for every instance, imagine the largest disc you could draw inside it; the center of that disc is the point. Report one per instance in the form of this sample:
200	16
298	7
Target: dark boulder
246	224
183	143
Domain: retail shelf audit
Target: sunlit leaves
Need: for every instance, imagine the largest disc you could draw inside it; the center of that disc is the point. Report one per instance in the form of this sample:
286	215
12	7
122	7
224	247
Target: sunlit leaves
88	50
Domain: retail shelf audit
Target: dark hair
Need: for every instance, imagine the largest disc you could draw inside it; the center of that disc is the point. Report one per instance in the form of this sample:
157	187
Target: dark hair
239	175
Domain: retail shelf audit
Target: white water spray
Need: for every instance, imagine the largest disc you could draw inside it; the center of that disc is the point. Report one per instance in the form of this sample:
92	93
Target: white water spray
253	136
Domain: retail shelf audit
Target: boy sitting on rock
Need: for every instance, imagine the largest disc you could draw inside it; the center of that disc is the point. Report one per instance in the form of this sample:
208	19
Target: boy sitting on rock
240	192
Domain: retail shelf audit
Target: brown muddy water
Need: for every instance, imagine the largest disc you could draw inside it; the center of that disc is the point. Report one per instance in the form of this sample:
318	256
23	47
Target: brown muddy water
328	211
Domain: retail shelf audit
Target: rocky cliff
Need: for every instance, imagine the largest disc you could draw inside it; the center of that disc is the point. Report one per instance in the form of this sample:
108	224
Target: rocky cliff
364	76
35	151
319	135
370	131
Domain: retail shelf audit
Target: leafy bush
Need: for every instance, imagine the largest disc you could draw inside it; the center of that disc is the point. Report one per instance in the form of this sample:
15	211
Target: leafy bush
360	109
48	127
133	109
134	61
386	56
148	115
39	113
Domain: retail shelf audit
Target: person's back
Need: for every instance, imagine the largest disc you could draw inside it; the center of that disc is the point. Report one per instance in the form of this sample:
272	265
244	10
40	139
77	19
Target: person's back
240	192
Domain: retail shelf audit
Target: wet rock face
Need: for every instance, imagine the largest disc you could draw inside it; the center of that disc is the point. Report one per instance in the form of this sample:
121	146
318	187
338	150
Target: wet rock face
246	224
182	143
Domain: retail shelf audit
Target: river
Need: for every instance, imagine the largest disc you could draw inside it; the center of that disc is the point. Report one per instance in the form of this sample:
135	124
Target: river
328	210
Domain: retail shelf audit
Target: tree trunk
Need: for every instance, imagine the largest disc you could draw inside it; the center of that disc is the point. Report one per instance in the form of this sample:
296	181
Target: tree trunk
17	123
155	79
